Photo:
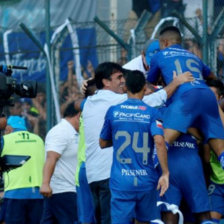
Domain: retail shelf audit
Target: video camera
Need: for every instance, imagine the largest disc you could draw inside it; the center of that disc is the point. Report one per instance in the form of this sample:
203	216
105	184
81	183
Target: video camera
8	87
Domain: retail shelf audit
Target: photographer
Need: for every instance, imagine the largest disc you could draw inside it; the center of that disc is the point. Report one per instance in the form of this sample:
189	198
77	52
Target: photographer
22	200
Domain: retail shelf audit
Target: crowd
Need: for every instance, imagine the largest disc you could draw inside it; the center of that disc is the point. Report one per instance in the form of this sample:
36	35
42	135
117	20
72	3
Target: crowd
130	152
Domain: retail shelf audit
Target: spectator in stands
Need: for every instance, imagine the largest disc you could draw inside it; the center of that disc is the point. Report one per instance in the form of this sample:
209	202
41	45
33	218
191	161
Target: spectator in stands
216	187
193	46
16	108
69	90
39	107
220	59
168	6
30	114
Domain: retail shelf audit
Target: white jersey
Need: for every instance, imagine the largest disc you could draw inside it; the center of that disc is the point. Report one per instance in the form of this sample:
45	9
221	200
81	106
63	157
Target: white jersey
99	161
63	139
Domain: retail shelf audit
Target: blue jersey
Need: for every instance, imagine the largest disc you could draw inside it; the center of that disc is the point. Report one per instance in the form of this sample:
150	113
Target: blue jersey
131	126
175	59
184	148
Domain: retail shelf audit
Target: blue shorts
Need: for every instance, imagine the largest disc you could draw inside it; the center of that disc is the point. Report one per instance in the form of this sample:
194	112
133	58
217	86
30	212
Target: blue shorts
60	208
22	210
216	197
186	181
84	198
195	108
125	206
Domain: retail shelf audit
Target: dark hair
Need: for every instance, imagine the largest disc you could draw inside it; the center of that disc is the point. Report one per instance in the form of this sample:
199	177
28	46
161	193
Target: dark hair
104	71
135	81
218	84
70	110
91	87
171	31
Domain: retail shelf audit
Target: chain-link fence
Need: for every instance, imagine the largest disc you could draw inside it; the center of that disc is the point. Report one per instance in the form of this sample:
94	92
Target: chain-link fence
106	48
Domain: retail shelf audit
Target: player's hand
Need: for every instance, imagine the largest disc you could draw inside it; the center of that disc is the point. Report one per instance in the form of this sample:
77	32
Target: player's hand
84	85
183	78
46	190
163	184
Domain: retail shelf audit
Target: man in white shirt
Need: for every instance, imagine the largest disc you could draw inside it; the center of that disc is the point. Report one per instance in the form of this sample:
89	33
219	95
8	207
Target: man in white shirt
110	83
58	185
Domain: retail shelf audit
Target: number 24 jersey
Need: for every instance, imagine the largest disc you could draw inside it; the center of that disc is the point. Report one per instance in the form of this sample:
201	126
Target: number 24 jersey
131	127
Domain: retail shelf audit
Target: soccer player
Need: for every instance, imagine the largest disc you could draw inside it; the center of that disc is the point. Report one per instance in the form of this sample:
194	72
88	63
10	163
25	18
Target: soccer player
133	129
193	103
186	181
216	187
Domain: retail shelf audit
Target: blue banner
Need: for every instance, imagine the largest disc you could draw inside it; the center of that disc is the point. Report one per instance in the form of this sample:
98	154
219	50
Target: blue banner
23	52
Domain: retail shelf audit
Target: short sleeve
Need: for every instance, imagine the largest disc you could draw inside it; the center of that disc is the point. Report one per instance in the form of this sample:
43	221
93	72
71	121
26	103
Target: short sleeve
154	71
56	140
156	125
106	132
157	128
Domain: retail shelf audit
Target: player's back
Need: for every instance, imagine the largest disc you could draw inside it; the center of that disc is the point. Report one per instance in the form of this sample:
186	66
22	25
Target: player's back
132	125
175	60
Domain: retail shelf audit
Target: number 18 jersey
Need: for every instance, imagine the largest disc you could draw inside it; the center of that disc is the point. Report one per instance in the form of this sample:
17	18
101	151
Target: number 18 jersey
131	127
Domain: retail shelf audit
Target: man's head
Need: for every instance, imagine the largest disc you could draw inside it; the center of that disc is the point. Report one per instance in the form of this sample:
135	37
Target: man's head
168	36
15	123
109	75
135	82
41	93
90	88
217	87
16	109
72	115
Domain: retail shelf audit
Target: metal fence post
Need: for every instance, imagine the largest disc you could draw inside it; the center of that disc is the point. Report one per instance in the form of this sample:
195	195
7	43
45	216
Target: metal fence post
205	32
48	84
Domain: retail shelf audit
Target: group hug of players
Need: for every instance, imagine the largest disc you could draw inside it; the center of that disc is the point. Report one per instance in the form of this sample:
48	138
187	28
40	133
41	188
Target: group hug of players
191	118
